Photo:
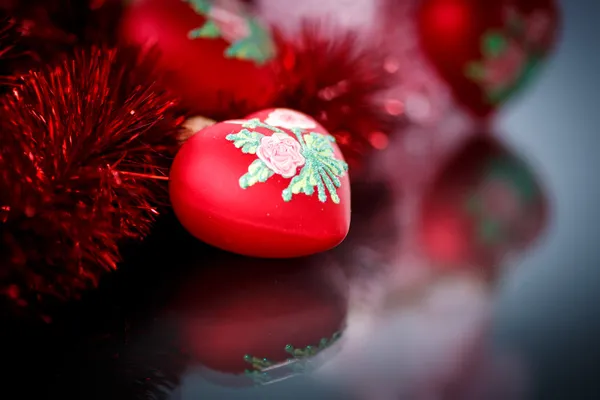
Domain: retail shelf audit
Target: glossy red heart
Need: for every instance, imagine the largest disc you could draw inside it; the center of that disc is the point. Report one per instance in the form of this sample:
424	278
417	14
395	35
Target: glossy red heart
487	50
273	185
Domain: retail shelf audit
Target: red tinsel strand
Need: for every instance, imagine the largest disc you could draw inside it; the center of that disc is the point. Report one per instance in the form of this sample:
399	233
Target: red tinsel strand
340	83
84	151
8	35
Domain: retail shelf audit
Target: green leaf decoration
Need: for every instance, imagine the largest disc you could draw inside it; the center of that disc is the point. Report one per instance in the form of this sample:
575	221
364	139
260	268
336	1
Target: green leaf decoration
246	50
257	172
246	140
258	363
208	30
529	71
517	174
201	7
321	171
305	183
258	46
296	364
265	42
493	45
501	95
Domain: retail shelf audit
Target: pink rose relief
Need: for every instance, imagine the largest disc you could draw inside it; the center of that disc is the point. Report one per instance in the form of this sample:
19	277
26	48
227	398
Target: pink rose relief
233	27
281	153
289	119
505	70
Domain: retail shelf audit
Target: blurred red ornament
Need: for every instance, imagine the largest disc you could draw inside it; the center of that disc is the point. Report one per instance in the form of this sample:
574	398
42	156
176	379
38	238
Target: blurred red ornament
82	143
215	53
485	204
487	51
272	185
259	321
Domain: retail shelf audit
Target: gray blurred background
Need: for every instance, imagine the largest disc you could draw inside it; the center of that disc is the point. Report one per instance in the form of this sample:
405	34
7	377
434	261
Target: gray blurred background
549	307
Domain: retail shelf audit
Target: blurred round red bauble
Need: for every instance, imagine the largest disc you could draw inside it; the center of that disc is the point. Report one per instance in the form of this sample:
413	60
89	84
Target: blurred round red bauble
487	50
273	185
485	204
251	321
216	54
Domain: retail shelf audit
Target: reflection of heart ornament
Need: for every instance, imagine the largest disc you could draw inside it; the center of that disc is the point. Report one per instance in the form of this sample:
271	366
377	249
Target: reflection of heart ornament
212	51
272	185
485	204
487	50
259	322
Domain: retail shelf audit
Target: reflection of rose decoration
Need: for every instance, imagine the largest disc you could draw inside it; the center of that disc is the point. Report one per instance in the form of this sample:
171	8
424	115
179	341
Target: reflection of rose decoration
506	68
536	27
500	201
281	153
289	119
232	27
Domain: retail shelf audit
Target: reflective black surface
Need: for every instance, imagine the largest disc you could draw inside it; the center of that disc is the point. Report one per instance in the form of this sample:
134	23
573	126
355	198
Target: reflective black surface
125	339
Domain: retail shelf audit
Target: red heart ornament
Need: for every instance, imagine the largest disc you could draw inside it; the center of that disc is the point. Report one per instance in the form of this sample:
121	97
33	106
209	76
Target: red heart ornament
274	185
487	50
486	203
212	51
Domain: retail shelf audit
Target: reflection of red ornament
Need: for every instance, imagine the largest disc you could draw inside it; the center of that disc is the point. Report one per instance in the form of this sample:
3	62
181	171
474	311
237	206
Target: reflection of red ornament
256	321
272	185
485	204
487	50
215	54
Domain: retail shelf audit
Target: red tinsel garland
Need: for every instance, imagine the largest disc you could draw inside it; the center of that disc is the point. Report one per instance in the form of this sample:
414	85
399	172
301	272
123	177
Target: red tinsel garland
9	38
82	144
8	35
40	32
338	82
